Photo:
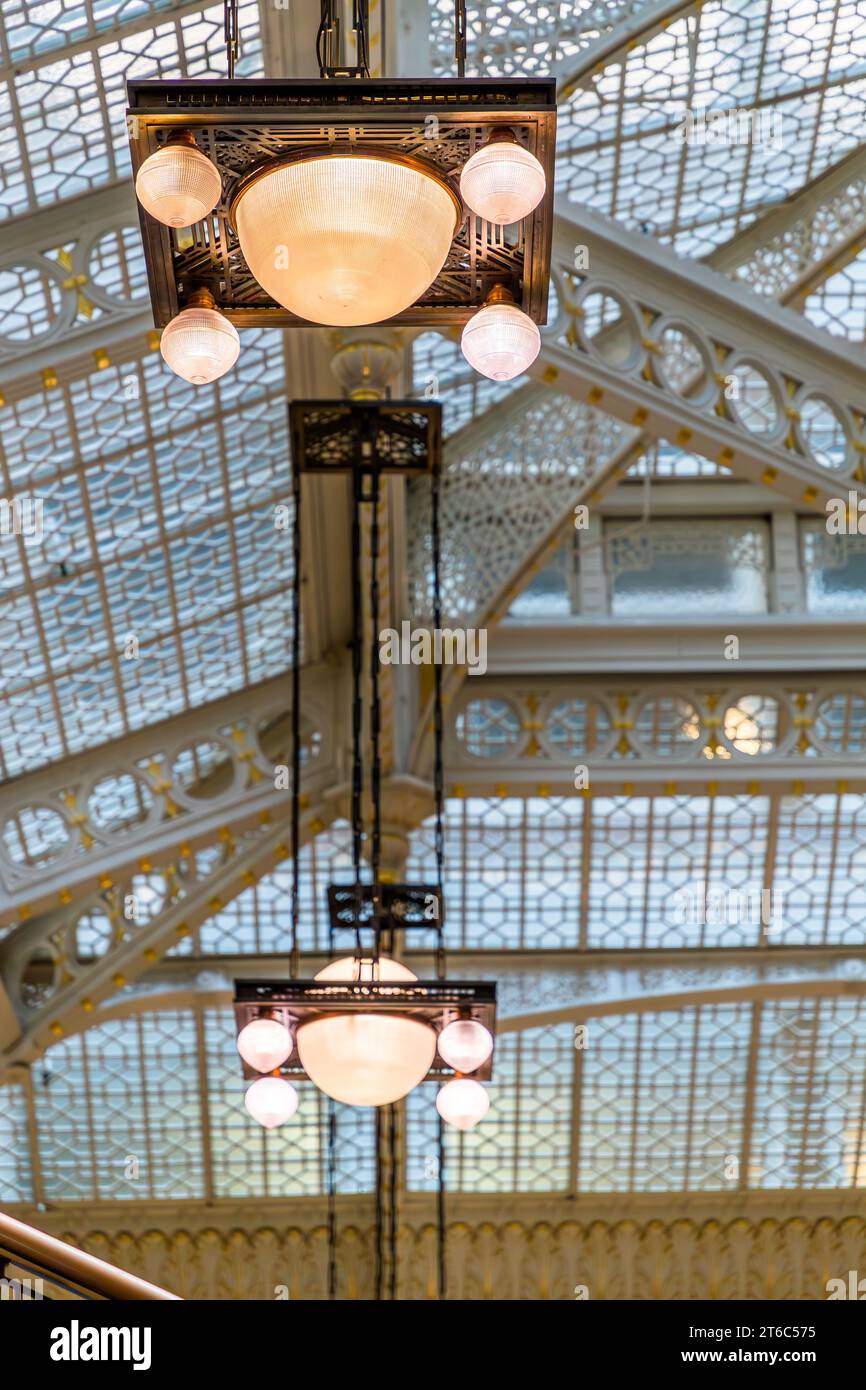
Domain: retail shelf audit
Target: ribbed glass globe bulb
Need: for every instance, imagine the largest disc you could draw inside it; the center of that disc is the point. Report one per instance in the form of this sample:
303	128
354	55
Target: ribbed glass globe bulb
500	341
366	1058
346	239
265	1044
271	1100
503	182
465	1044
178	185
200	345
462	1103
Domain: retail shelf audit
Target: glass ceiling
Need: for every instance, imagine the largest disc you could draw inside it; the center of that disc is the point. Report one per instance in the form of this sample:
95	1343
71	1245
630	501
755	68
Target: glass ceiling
669	1100
605	873
63	84
799	64
158	525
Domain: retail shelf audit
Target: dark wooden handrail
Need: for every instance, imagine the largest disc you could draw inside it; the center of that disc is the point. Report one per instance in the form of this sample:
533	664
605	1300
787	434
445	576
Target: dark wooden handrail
56	1262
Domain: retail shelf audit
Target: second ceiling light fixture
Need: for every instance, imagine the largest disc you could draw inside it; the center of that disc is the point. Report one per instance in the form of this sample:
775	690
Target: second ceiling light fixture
345	201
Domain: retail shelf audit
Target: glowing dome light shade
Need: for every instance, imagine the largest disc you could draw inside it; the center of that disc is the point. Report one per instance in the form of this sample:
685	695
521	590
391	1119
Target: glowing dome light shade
265	1044
200	344
463	1103
500	341
271	1100
364	968
502	181
178	185
346	239
465	1044
366	1058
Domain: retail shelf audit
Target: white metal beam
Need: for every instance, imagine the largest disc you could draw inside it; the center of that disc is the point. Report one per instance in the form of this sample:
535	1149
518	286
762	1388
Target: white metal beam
237	789
731	329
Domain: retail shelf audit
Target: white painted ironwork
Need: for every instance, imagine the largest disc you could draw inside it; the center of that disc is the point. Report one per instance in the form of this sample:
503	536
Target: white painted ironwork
725	730
675	348
183	782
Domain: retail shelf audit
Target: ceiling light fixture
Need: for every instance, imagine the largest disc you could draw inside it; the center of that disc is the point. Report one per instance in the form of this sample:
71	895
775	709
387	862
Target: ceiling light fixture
178	185
503	182
265	1044
200	344
501	341
271	1100
337	201
365	1030
361	233
462	1103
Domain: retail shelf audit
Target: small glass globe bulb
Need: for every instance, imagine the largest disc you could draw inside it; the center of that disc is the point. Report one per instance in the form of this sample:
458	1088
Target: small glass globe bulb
465	1044
462	1103
500	341
200	344
265	1044
178	185
502	181
271	1100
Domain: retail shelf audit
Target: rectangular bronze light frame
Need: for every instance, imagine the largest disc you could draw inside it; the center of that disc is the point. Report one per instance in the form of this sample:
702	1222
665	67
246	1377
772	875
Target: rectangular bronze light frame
438	1002
341	436
240	122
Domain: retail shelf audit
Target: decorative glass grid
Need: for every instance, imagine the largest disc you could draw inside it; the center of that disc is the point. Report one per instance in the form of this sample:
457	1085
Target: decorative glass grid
839	305
662	872
726	1095
512	37
16	1170
730	108
259	921
662	1099
159	526
693	566
63	85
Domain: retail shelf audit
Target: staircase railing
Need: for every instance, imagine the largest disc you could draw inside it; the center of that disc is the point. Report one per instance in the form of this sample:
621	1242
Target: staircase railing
63	1266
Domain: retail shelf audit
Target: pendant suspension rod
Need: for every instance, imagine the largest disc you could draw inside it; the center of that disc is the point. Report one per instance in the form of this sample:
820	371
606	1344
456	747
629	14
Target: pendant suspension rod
341	19
380	1232
438	769
232	35
392	1195
460	36
375	708
332	1199
296	722
357	709
439	844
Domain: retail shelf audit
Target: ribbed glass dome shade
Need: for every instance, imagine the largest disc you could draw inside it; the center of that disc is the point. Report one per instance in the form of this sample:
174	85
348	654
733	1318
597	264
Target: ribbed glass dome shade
366	1059
500	342
178	185
346	239
462	1103
200	345
503	182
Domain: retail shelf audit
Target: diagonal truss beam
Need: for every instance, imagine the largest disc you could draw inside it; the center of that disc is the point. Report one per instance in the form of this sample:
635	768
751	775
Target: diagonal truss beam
49	988
72	828
744	387
790	251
